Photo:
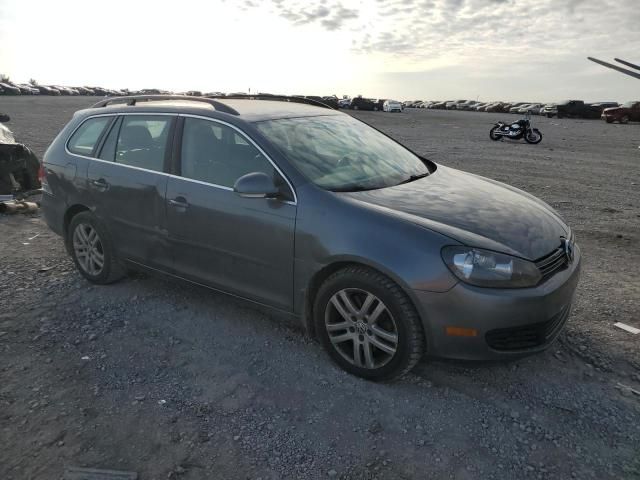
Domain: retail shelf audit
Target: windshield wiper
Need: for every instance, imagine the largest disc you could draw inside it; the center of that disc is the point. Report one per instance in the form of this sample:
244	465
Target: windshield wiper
353	188
414	177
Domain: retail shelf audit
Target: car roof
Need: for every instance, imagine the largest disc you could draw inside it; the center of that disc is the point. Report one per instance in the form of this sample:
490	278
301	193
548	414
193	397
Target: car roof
250	110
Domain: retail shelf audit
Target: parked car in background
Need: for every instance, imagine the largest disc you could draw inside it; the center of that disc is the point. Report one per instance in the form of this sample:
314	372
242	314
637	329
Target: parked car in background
331	100
453	105
604	105
361	103
392	106
574	108
516	106
394	256
438	105
8	89
344	103
468	105
534	108
626	112
496	107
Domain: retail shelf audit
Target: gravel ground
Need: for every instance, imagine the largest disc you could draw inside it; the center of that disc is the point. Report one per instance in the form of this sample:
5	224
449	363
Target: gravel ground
174	381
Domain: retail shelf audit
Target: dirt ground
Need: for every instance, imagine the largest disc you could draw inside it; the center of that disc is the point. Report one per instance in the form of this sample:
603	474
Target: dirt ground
174	381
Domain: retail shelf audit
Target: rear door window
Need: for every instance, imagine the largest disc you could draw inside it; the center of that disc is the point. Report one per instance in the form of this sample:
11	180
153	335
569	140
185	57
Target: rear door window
85	138
142	141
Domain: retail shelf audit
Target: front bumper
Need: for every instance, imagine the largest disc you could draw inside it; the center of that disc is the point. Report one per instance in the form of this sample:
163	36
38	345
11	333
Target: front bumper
508	322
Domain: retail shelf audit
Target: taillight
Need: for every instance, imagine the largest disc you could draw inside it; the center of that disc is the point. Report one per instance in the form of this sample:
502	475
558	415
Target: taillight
41	173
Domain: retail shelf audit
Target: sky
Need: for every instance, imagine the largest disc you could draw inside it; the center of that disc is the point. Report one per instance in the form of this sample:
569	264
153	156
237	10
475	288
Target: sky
520	50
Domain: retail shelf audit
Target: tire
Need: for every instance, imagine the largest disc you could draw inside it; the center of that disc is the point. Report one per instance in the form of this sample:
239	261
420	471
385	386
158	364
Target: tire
609	120
356	108
624	119
397	327
536	139
492	134
549	115
81	231
375	109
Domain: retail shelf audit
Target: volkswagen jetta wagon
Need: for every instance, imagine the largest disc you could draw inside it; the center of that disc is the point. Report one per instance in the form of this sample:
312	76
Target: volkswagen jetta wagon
382	254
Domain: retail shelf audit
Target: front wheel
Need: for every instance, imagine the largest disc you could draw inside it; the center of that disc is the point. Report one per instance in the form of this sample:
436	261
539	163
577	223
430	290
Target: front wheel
624	119
367	324
493	134
533	136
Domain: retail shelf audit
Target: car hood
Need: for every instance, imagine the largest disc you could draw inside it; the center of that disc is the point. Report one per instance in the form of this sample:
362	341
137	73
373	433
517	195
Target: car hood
614	109
473	210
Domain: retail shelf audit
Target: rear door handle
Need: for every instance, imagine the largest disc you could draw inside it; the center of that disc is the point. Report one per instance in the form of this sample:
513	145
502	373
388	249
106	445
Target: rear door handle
179	202
100	184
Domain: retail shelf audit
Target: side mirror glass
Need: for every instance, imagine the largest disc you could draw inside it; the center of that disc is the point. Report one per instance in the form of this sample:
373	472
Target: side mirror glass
256	185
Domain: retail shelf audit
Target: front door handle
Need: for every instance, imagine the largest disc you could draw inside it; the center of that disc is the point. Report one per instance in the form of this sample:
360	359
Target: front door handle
100	184
179	202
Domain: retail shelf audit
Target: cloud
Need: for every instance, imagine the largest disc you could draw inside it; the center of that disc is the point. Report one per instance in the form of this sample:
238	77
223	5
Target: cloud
429	29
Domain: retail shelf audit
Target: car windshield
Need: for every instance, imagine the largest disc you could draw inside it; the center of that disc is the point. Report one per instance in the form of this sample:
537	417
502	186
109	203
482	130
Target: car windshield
629	104
340	153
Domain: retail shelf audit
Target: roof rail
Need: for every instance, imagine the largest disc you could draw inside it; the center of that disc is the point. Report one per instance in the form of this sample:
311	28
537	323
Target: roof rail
134	99
280	98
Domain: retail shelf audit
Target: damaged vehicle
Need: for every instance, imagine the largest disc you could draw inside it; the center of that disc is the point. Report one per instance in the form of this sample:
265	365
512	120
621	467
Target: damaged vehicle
19	166
381	254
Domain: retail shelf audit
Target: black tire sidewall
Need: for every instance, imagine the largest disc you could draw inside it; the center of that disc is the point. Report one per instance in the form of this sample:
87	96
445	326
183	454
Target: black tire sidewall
526	137
497	137
105	275
352	280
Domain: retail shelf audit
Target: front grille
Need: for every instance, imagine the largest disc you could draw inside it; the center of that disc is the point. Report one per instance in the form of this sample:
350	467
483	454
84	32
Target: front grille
552	263
526	337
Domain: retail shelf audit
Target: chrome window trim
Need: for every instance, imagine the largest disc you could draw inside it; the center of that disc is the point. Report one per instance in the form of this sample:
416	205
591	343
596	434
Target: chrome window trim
221	187
66	143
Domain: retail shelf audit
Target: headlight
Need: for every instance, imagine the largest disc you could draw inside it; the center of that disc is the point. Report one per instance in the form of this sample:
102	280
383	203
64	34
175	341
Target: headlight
484	268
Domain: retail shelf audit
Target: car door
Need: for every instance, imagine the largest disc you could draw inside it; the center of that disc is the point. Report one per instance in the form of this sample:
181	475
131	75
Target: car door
128	182
240	245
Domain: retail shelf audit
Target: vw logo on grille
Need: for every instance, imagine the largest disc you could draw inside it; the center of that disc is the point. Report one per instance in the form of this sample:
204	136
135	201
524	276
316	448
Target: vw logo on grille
567	246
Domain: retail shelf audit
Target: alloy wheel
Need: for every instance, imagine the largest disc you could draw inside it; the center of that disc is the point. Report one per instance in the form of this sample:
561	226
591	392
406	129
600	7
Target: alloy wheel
88	249
361	328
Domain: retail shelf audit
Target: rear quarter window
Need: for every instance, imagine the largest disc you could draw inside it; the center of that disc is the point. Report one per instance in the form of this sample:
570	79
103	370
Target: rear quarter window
84	139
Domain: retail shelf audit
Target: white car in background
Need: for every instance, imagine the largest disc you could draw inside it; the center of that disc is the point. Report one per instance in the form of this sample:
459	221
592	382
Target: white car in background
392	106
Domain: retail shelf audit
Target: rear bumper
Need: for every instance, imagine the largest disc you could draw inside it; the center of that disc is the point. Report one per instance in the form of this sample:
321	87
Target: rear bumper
508	322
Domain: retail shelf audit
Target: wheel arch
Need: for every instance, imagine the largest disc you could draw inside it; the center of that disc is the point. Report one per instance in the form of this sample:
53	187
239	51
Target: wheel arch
71	212
340	263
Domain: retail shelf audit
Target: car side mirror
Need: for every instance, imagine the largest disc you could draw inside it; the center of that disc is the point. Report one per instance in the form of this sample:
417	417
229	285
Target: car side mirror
256	185
4	118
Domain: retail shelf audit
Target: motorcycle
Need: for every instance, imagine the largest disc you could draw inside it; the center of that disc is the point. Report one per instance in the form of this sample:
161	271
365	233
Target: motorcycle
515	131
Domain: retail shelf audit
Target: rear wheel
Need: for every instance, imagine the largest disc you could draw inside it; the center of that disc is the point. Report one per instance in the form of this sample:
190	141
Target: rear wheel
493	135
367	324
92	250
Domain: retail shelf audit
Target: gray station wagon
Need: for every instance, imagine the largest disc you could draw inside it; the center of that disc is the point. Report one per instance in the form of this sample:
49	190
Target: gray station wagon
382	254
